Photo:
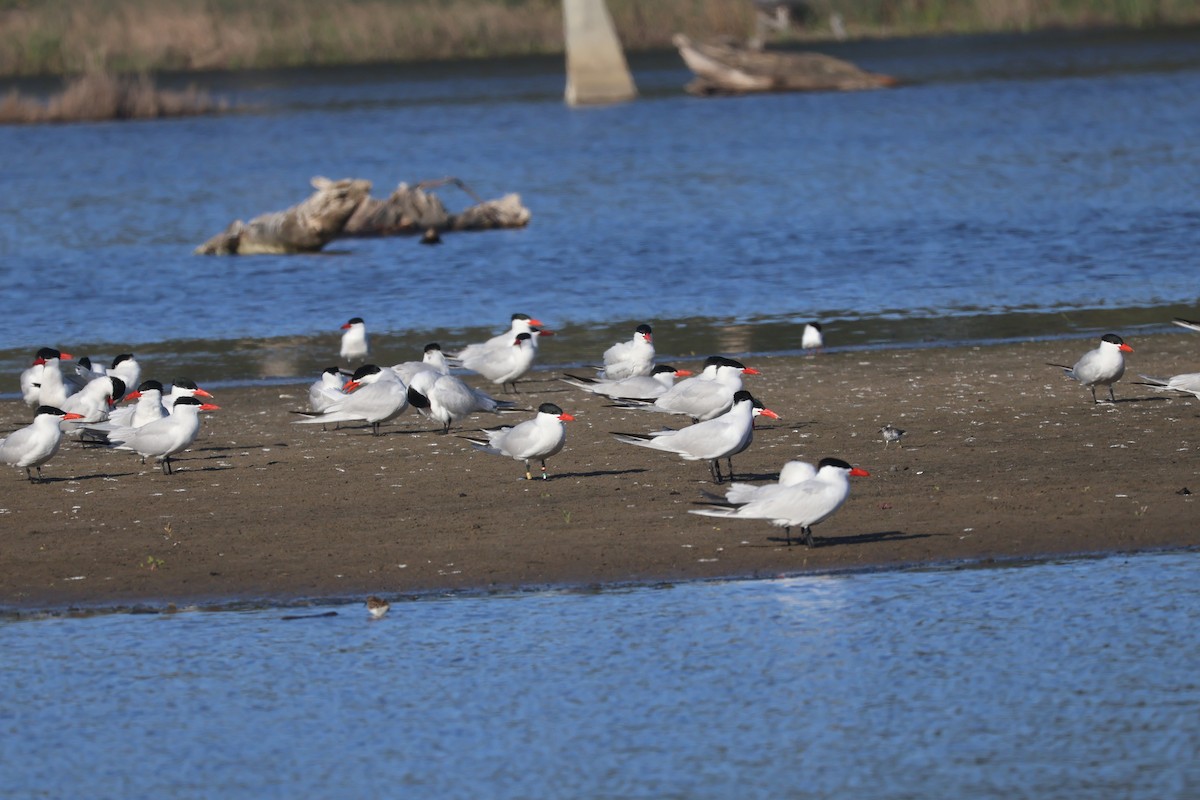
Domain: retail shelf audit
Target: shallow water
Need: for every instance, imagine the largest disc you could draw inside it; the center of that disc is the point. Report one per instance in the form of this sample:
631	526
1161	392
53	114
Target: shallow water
1054	680
1015	187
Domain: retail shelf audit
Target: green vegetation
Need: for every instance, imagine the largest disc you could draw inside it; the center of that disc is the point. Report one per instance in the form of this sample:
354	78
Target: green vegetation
77	36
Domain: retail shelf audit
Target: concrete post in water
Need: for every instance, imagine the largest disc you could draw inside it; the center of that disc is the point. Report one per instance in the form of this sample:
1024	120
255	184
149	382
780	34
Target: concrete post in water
596	67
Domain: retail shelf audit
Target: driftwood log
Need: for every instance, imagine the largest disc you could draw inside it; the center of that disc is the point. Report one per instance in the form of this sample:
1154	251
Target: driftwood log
303	228
412	210
345	208
727	68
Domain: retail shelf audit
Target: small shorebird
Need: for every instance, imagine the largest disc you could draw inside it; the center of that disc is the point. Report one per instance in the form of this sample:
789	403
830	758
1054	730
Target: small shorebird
377	606
891	434
537	438
355	345
1103	366
804	504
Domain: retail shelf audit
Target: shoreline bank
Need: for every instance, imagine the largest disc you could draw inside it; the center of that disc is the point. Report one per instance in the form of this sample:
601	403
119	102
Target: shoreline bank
1004	459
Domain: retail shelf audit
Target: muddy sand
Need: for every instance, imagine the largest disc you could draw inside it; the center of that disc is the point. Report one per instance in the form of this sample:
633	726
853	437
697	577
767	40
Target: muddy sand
1003	458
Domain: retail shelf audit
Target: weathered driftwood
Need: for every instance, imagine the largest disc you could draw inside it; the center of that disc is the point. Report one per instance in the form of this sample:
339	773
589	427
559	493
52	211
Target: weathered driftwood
303	228
412	210
731	69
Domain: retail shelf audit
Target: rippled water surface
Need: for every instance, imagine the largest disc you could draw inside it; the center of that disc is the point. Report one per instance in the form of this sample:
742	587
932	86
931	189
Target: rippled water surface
1057	680
1012	187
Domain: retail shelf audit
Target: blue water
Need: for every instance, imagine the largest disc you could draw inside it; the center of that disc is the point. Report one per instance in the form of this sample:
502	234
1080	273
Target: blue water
1056	680
1014	187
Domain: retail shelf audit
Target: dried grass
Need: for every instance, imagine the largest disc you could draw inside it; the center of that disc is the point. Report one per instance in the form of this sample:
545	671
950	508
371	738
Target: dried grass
101	96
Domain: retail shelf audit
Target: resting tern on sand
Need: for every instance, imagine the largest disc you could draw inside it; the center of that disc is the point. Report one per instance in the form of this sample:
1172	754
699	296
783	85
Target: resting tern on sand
42	383
792	473
165	437
432	359
373	395
93	402
721	437
355	345
1188	383
703	397
326	390
447	398
1103	366
521	323
629	359
37	442
537	438
147	408
507	364
182	387
646	387
805	504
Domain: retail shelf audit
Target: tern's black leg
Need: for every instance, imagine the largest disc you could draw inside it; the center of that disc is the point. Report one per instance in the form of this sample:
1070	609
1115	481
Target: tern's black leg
787	535
1112	398
730	462
544	475
808	537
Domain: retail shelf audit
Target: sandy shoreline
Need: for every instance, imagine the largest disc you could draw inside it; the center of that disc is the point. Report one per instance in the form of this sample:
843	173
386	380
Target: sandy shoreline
1004	458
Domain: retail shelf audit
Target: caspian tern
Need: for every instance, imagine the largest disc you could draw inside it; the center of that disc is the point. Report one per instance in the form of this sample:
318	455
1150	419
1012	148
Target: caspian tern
792	473
507	364
147	408
164	438
37	442
373	395
646	387
92	402
326	390
431	359
723	436
84	373
804	504
521	323
355	345
1188	383
1103	366
629	359
704	397
182	387
1187	323
127	368
447	398
42	383
812	339
537	438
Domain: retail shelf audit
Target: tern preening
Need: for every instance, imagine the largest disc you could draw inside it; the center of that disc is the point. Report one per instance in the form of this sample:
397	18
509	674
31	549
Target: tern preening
432	359
723	436
534	439
326	390
447	398
374	395
1103	366
164	438
630	359
802	504
35	444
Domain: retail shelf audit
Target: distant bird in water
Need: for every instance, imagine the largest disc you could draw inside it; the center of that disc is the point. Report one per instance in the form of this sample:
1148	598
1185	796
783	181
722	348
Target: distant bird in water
1103	366
891	434
355	344
812	339
377	606
431	236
